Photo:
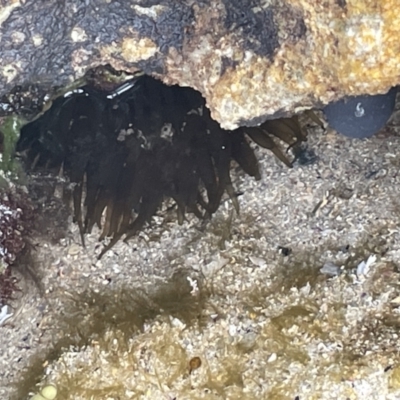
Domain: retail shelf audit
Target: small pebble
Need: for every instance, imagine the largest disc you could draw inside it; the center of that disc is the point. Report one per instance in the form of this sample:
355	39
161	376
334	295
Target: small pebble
361	116
49	392
74	249
194	363
38	397
330	269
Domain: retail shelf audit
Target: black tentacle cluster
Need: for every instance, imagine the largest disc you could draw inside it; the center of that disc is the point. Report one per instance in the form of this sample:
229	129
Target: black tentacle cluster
125	153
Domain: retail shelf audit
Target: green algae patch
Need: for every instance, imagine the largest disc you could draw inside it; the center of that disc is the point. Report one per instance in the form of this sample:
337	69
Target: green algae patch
9	135
116	322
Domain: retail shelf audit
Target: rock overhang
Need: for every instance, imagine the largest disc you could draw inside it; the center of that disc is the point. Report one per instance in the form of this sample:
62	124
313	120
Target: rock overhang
251	60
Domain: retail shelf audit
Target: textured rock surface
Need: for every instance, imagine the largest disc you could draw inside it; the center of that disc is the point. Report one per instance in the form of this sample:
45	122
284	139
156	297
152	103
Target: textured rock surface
250	59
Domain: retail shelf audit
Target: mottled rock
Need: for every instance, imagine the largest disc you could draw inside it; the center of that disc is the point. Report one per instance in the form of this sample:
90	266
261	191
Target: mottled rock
251	59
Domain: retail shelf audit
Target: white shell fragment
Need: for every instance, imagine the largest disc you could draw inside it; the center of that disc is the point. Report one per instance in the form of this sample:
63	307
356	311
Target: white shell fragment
193	285
364	267
257	261
214	266
396	301
4	316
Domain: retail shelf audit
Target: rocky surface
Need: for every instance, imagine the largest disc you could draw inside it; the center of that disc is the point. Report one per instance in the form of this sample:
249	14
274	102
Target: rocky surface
252	60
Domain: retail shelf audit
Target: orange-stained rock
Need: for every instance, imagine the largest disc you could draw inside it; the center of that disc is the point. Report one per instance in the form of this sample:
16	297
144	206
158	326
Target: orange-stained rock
252	60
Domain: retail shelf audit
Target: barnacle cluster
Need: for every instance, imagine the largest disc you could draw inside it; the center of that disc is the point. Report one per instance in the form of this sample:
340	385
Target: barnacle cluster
126	151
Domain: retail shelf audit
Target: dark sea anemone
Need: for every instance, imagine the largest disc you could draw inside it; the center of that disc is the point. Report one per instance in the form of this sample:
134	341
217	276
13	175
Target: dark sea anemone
126	151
